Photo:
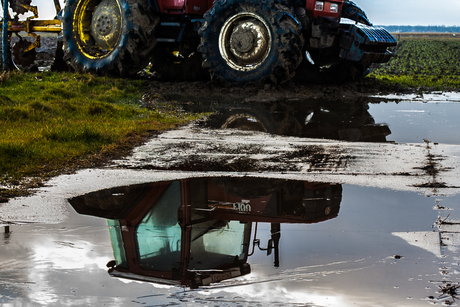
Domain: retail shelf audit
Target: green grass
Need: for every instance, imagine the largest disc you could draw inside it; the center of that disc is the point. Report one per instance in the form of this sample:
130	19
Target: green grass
430	62
52	121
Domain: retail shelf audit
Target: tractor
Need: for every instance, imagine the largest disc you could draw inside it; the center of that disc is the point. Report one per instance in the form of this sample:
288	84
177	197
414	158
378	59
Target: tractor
234	41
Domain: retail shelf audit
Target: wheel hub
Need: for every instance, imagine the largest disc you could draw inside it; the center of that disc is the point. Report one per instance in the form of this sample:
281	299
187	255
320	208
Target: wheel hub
244	41
103	25
106	24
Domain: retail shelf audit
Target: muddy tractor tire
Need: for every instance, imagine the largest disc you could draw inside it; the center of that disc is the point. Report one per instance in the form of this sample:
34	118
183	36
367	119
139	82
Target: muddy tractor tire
352	11
109	37
245	41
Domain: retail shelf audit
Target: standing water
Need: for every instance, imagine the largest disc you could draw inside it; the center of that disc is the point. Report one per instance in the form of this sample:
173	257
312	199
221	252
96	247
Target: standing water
325	204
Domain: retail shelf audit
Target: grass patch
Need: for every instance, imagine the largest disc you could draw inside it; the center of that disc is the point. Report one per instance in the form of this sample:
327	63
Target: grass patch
53	121
444	83
428	62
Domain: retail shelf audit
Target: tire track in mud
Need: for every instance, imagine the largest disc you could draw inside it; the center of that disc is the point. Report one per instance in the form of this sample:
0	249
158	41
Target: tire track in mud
433	168
418	167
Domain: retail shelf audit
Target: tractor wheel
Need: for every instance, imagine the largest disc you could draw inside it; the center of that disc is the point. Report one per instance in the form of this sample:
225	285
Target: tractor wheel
246	41
110	37
178	63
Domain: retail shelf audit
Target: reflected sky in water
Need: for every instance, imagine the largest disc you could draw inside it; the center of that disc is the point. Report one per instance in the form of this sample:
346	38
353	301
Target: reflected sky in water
346	261
412	122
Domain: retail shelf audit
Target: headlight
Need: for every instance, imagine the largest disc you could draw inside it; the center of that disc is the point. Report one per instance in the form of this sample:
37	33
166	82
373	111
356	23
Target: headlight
334	7
319	6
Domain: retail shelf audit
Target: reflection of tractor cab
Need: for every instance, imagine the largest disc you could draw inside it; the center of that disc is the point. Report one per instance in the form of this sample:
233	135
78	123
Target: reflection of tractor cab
161	239
193	232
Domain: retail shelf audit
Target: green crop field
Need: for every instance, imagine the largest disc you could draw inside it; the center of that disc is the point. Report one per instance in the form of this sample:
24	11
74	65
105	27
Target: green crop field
424	61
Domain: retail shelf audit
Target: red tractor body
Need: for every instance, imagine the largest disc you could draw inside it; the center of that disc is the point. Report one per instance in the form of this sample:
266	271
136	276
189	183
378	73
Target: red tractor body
234	41
331	8
199	7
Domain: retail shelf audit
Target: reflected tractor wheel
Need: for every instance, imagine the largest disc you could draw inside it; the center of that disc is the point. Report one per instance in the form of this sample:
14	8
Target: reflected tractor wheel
254	118
244	121
243	41
108	36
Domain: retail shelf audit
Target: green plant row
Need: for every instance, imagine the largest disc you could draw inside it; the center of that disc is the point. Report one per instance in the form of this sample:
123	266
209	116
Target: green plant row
437	57
428	62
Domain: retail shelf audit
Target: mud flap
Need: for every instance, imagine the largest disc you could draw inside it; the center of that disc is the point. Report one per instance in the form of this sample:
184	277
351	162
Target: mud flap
366	44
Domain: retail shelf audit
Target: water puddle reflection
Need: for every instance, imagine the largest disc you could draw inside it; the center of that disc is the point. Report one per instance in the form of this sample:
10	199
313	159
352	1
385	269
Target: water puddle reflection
280	203
194	232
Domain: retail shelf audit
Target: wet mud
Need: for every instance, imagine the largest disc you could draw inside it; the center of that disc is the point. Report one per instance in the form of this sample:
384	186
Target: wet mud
158	92
158	88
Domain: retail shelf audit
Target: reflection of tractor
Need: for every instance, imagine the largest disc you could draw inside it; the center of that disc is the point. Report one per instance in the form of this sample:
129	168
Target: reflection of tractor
194	232
238	41
350	121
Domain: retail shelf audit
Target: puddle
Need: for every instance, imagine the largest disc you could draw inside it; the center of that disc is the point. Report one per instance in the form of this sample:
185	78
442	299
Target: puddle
434	97
308	203
337	245
415	121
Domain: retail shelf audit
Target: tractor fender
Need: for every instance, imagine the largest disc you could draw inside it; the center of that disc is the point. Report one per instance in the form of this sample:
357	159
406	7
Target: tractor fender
351	11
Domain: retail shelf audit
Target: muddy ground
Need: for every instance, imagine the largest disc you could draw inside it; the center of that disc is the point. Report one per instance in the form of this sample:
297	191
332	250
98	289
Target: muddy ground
209	90
162	94
381	241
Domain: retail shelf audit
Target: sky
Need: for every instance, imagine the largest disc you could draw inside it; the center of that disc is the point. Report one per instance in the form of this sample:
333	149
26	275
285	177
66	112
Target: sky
380	12
412	12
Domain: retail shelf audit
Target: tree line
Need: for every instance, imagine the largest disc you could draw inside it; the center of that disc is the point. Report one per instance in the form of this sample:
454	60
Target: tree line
436	29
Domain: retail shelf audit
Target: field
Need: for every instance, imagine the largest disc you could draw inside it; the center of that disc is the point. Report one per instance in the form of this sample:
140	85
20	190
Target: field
424	61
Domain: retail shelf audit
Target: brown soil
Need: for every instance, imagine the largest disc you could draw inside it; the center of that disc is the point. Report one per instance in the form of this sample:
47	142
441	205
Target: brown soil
208	92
